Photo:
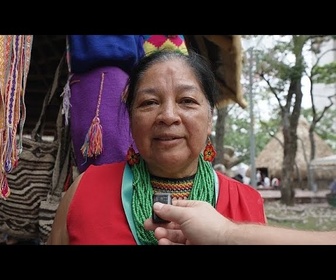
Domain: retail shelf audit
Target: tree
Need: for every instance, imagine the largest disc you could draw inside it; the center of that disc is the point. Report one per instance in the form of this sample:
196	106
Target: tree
282	69
319	74
220	134
325	128
325	74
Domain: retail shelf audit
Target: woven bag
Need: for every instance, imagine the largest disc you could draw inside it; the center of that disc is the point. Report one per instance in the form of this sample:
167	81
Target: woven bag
31	180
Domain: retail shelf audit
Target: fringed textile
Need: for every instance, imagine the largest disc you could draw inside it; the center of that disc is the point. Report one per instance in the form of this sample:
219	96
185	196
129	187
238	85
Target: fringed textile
15	52
93	144
66	94
113	115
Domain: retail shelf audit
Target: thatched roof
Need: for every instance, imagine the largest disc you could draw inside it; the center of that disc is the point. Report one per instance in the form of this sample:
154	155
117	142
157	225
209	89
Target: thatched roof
224	52
324	162
271	157
324	167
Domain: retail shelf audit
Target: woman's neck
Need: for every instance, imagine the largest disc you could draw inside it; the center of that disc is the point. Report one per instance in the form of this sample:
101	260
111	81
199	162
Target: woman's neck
175	171
177	188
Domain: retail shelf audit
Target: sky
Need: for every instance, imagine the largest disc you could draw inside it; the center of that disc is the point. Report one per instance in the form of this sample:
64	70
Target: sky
266	41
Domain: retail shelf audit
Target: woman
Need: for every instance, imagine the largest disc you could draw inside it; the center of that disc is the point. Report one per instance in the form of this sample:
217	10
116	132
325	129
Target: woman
170	100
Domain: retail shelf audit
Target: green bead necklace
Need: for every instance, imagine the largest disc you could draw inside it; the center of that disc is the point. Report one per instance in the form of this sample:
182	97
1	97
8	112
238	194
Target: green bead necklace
203	189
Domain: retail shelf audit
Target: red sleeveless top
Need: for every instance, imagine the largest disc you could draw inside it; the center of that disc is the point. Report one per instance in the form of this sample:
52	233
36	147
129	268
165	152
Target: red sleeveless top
100	211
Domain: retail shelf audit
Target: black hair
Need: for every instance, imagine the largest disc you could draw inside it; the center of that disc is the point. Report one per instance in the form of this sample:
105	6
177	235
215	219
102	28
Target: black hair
197	63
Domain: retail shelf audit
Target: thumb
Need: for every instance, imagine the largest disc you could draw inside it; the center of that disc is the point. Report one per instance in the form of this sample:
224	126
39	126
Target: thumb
174	213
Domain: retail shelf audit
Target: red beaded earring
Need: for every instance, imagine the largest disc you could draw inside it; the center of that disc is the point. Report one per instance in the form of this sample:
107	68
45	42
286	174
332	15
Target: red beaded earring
132	156
209	151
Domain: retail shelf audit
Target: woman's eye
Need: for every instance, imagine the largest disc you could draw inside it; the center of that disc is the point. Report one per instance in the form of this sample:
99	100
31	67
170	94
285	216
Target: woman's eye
148	103
188	101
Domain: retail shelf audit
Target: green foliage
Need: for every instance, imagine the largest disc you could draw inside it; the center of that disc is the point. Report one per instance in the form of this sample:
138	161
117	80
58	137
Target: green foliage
325	128
318	41
325	74
269	65
276	64
238	132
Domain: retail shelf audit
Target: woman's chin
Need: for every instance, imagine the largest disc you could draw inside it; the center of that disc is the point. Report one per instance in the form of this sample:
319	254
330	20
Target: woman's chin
172	165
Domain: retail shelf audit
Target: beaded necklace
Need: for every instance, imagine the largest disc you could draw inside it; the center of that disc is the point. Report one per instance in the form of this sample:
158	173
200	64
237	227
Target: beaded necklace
203	188
177	188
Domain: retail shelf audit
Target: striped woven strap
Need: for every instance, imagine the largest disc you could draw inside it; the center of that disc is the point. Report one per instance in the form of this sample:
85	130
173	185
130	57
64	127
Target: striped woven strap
15	52
26	55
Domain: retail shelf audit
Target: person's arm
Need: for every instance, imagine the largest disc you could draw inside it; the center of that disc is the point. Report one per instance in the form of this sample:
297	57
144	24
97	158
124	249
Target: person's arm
197	222
252	234
59	232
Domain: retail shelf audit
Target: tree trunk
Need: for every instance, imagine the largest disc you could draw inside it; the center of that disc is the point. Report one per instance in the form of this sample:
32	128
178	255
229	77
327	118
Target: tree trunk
287	192
220	132
290	118
290	124
290	148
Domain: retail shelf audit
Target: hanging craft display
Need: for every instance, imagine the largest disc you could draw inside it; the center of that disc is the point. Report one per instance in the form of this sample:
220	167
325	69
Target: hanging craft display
15	52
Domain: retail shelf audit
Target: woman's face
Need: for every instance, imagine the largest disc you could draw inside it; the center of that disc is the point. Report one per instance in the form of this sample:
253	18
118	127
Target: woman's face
171	119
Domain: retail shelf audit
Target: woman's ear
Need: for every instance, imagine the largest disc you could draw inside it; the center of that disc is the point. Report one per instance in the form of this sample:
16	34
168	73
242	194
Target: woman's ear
210	123
124	94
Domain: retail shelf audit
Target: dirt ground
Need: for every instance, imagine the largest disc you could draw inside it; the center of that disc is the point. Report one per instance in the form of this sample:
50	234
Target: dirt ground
310	216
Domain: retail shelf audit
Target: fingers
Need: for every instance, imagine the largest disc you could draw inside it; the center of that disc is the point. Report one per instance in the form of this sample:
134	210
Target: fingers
182	214
180	211
165	241
149	225
185	203
171	213
167	233
174	236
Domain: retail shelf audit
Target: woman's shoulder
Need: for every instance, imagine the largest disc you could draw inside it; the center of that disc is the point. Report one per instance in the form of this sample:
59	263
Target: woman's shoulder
94	170
233	185
99	172
239	201
99	176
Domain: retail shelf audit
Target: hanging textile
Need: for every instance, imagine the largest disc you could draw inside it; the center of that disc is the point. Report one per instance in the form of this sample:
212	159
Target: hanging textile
15	52
99	66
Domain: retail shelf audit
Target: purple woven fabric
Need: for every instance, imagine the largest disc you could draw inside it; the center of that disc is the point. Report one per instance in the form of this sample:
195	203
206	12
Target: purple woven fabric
113	115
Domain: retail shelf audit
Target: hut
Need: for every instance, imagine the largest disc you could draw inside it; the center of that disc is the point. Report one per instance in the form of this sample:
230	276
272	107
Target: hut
225	55
324	167
327	163
270	159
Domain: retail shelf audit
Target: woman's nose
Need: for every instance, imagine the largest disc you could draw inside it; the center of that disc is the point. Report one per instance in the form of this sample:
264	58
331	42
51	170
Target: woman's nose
168	113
